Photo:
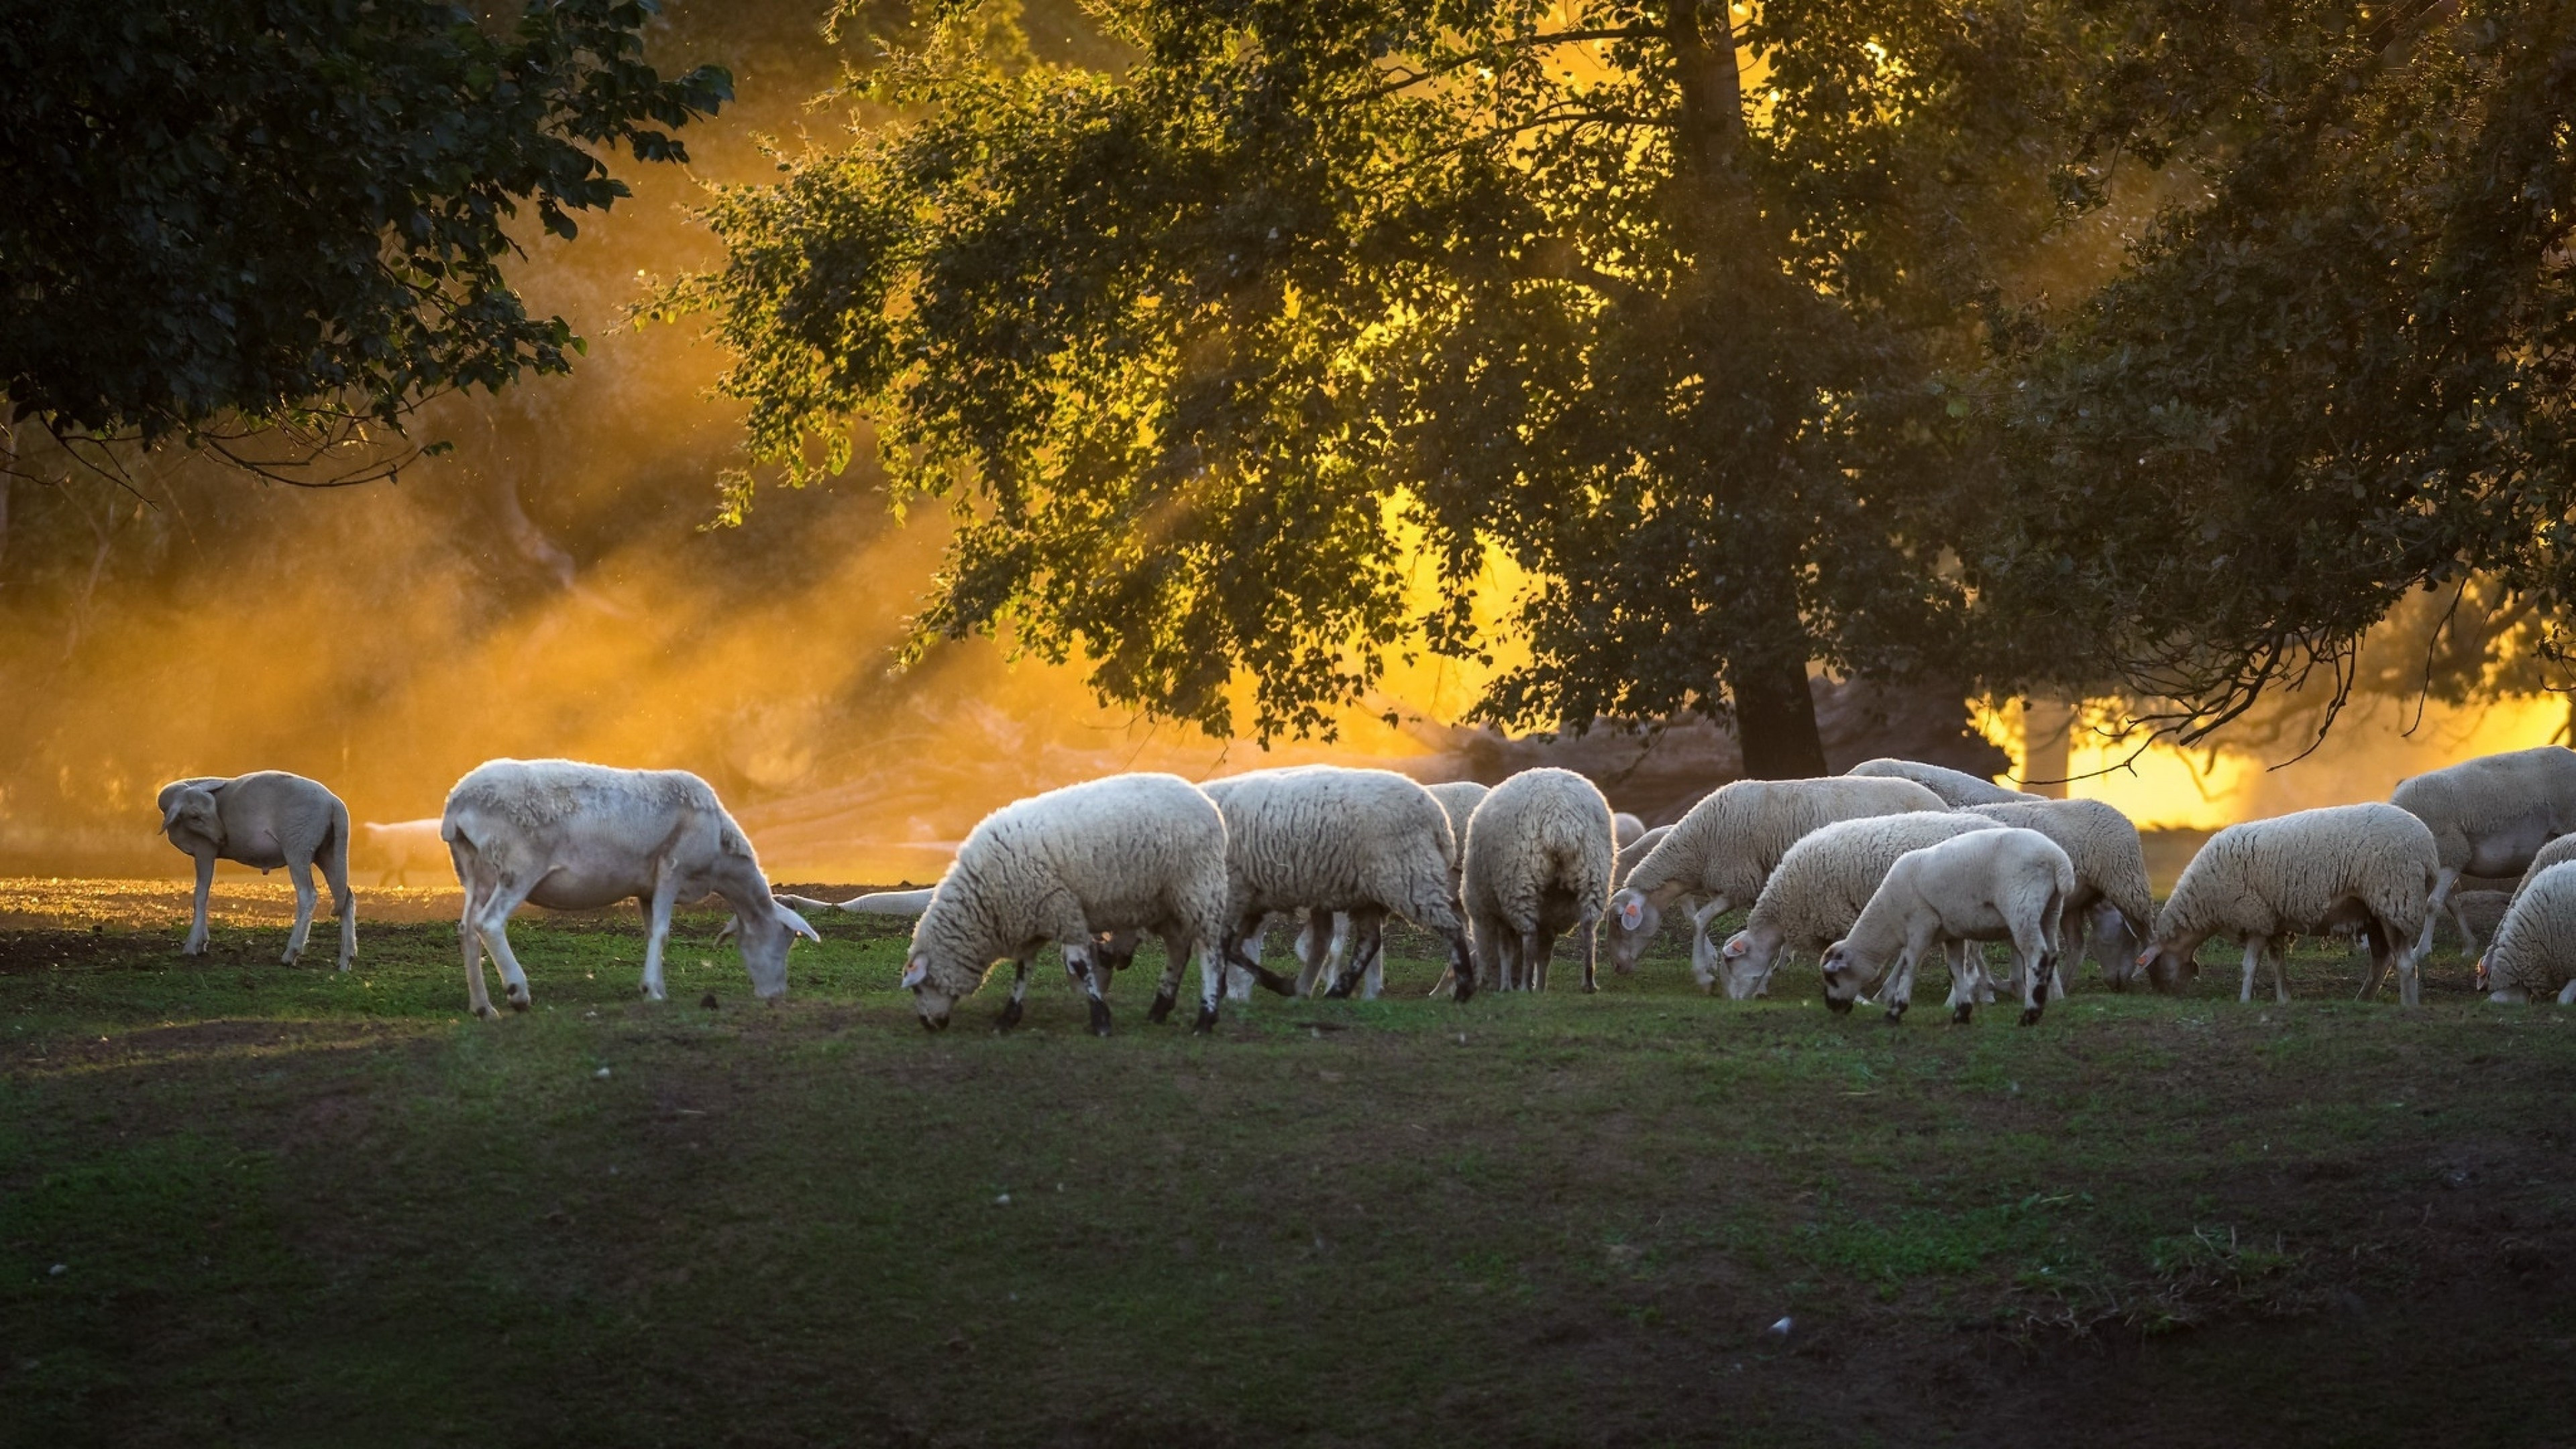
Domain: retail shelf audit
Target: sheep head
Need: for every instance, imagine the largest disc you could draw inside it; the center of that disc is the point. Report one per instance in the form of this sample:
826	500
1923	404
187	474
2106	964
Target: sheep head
1634	919
2169	967
191	809
1742	971
764	929
1846	979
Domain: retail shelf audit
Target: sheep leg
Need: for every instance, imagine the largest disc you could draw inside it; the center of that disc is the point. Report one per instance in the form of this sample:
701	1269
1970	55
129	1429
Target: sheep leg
1270	980
2253	959
1535	950
1238	982
2278	948
657	926
1969	987
300	873
1898	994
196	945
2567	994
335	874
1703	950
1375	985
1368	928
1011	1008
472	939
492	923
1212	978
2036	967
1589	926
2433	905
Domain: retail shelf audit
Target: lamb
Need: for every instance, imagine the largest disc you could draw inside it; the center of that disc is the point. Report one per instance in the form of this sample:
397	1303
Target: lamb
2112	907
267	818
1625	828
1141	852
1324	838
2534	952
1724	849
571	836
1538	859
2005	884
2266	881
2489	816
1958	787
404	846
1820	886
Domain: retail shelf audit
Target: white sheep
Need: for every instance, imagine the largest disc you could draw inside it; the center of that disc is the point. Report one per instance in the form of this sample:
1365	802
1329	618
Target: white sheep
2005	884
1111	951
2265	881
1634	853
1626	828
1820	886
1324	937
2534	952
268	819
1142	852
1958	787
1723	850
1538	858
571	836
403	847
2112	908
2489	816
1324	838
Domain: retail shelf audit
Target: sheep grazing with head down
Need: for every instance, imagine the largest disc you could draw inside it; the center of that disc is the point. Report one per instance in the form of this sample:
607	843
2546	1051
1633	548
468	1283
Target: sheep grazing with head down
570	836
1143	853
2112	908
2533	956
1323	838
1958	787
2489	816
1724	849
1820	887
1110	952
2266	881
1538	860
267	819
2004	884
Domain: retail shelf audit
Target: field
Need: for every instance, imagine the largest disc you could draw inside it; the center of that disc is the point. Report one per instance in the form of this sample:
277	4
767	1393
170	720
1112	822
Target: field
243	1203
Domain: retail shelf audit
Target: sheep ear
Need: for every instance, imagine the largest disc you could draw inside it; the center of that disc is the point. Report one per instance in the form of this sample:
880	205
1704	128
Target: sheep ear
1735	946
1631	912
725	931
799	925
916	971
170	816
2147	956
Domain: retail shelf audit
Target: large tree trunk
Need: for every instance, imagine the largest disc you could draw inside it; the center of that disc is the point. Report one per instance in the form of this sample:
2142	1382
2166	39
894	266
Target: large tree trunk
1775	721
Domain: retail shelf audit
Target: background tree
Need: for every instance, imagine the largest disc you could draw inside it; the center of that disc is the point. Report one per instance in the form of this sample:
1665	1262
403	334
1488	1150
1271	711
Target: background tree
222	219
1207	356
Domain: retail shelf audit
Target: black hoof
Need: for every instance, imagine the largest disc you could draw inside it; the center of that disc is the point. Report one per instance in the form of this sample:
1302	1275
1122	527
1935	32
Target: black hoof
1161	1010
1962	1013
2030	1015
1463	988
518	1003
1009	1018
1838	1007
1896	1013
1338	991
930	1023
1099	1017
1206	1022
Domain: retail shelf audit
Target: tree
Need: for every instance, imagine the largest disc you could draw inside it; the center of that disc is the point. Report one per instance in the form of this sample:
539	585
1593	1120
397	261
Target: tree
1655	297
218	219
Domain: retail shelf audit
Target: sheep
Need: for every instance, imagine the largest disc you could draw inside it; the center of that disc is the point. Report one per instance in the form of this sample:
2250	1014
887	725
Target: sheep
402	847
1141	852
2112	907
2005	884
267	818
1537	862
1324	838
571	836
1958	787
1820	886
1110	951
2562	848
2534	951
1625	828
1634	853
1723	850
2489	816
2268	880
1458	799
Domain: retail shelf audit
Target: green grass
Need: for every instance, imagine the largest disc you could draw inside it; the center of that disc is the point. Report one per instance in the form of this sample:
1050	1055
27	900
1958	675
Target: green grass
294	1207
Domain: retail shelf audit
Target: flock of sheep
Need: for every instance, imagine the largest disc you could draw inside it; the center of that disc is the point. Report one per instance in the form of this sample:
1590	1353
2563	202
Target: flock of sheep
1869	873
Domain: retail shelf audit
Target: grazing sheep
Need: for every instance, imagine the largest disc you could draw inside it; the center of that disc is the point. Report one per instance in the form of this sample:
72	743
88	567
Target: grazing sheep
2007	884
2534	952
1958	787
1537	863
1110	951
1820	886
1723	850
571	836
405	846
2266	881
2489	816
1324	838
2112	907
267	819
1625	828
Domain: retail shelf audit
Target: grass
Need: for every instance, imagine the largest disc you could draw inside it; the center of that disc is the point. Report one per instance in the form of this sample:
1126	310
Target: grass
296	1207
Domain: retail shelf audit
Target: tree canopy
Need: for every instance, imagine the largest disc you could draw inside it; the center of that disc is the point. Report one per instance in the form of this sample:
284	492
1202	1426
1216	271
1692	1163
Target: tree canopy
1712	318
222	217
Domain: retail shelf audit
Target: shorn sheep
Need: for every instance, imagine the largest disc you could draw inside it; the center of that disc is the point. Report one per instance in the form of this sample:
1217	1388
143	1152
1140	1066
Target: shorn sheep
2006	884
1820	886
2534	953
1538	858
398	849
266	819
574	837
2112	909
1143	852
1723	850
2489	816
1323	838
2311	871
1958	787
